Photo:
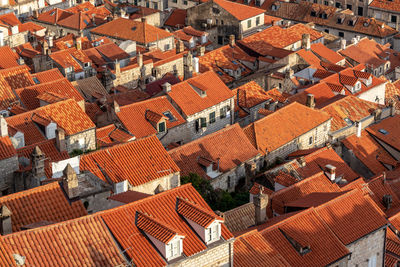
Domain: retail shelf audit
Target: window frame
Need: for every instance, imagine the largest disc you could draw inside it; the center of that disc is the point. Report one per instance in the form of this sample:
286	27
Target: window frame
211	117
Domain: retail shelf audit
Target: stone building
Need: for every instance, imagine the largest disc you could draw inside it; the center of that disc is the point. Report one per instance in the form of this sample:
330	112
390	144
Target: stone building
288	129
9	159
210	106
388	12
122	166
226	158
221	18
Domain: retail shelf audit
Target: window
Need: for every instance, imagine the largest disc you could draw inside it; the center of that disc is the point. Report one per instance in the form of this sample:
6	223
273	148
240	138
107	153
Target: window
360	10
161	127
185	2
166	47
326	3
147	4
222	113
213	233
175	1
326	30
372	261
222	22
393	19
338	5
310	141
341	34
350	7
249	23
155	5
173	249
280	86
203	122
257	21
212	117
220	40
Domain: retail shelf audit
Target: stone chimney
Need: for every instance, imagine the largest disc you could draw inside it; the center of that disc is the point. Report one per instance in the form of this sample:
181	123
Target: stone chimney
200	51
60	140
232	40
5	217
116	107
70	181
187	66
166	87
342	44
117	68
392	106
261	202
139	59
37	160
180	47
306	41
310	101
377	114
3	127
78	43
330	171
359	128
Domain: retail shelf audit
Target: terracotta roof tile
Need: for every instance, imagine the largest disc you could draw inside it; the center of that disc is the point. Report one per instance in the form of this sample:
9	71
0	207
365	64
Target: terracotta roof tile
386	6
392	131
369	152
7	149
303	228
239	11
136	117
298	119
379	187
111	135
6	255
177	18
60	89
47	202
54	15
325	53
139	162
251	249
190	102
128	196
316	183
163	208
229	145
140	32
48	75
79	242
392	93
255	189
153	227
351	108
249	95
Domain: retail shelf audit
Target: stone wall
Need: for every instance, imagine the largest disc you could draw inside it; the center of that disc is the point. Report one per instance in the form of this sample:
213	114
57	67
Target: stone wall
372	245
152	19
7	168
129	76
215	255
167	182
83	141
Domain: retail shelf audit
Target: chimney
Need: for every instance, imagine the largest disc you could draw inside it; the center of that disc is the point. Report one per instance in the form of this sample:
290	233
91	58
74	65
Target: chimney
261	202
200	51
180	47
3	126
377	114
139	59
70	181
232	40
117	68
392	106
359	128
60	140
387	201
330	171
196	64
306	41
310	101
116	107
342	43
5	217
187	66
166	87
37	159
78	43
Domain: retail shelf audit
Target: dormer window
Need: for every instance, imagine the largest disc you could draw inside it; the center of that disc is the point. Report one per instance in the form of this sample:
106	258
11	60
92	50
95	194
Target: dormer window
213	233
161	127
313	13
173	249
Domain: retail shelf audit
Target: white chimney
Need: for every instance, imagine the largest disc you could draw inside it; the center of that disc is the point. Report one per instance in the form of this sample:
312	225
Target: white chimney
1	38
196	64
14	30
359	128
330	171
343	44
3	126
166	87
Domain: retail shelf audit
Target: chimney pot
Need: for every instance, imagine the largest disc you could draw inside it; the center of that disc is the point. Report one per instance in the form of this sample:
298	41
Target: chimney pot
330	171
166	87
306	41
310	101
60	140
232	40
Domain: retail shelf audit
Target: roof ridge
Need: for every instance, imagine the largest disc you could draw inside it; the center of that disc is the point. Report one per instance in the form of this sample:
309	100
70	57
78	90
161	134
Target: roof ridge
37	189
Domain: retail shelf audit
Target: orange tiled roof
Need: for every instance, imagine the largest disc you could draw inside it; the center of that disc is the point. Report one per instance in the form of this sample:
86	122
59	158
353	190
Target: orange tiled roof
79	242
391	136
6	255
307	229
328	54
163	208
67	114
43	203
48	75
379	187
369	152
190	102
386	6
392	93
352	216
8	58
196	213
69	58
287	124
139	162
111	135
249	95
7	149
229	145
140	32
9	19
135	117
239	11
30	26
177	18
61	89
153	227
252	249
316	183
350	107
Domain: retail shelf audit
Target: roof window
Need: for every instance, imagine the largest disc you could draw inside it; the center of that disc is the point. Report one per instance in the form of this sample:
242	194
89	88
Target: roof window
169	115
383	131
36	80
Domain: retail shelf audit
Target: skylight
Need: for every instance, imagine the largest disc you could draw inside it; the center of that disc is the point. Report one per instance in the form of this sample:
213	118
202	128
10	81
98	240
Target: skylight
36	80
87	23
169	115
219	73
383	131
